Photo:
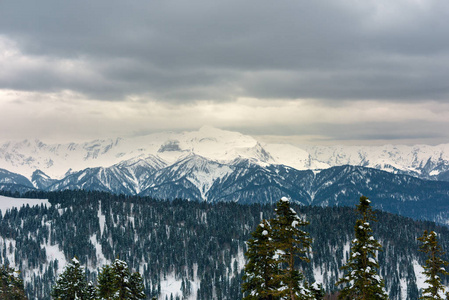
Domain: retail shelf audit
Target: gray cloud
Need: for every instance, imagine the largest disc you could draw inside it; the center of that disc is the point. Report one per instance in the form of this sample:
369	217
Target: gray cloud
359	134
190	50
299	69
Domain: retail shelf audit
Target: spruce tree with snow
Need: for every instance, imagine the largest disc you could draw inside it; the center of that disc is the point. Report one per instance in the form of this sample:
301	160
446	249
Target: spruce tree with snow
433	267
361	278
258	278
121	279
136	286
71	284
115	282
11	285
91	292
317	290
291	243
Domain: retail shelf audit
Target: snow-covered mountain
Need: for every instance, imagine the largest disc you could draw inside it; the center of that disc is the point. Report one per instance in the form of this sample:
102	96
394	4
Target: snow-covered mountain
56	160
423	161
220	146
244	181
215	165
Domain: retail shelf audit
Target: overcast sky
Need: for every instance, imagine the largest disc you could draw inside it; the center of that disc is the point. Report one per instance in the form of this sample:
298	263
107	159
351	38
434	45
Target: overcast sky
301	71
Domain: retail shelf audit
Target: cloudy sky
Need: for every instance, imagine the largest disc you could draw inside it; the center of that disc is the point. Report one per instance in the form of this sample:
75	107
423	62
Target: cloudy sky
301	71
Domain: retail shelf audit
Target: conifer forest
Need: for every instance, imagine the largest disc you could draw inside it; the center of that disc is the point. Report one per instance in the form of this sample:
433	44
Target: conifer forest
195	250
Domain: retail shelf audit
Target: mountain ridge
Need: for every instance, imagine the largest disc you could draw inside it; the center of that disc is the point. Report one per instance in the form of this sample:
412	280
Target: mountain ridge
246	182
214	165
24	157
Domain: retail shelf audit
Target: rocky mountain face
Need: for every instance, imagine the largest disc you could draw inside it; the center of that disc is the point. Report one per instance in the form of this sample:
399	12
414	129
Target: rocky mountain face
220	166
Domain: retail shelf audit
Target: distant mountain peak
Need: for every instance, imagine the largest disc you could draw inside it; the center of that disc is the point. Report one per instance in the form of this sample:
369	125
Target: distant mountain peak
426	162
210	130
170	145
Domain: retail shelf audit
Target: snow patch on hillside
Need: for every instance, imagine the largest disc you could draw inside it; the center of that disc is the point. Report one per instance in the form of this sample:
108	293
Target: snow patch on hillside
318	274
205	178
54	253
9	203
172	286
403	288
10	246
101	219
101	259
420	277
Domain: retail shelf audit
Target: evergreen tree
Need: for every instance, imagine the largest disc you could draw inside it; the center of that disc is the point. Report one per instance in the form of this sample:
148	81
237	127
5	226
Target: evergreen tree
91	292
115	282
261	265
71	284
106	283
434	266
11	285
317	291
121	280
291	242
136	286
361	279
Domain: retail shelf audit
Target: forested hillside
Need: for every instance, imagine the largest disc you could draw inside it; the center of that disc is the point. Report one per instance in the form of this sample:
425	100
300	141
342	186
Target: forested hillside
193	250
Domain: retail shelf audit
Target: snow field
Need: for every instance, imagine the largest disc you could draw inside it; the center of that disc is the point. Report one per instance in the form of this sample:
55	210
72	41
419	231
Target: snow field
9	203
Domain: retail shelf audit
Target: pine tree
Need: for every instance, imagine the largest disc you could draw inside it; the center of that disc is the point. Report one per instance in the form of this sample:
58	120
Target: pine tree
71	284
258	279
11	285
317	291
121	279
122	276
91	292
115	282
361	279
106	286
291	242
434	266
136	286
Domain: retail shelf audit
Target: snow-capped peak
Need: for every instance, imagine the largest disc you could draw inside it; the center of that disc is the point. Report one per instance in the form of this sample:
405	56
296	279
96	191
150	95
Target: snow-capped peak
24	157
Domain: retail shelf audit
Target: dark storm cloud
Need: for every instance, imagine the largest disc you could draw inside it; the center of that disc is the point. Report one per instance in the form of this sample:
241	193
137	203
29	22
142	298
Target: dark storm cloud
189	50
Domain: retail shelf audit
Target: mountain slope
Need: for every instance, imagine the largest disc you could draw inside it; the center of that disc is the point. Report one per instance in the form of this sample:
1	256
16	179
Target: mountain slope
246	182
422	161
41	180
193	172
14	182
198	243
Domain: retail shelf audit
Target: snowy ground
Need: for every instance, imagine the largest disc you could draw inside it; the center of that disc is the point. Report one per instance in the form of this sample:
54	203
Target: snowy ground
8	203
420	277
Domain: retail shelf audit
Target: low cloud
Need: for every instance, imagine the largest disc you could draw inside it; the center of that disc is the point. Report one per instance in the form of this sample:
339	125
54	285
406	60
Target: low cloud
299	121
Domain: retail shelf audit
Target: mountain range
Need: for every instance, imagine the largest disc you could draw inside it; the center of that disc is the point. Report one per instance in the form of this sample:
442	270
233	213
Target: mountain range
215	165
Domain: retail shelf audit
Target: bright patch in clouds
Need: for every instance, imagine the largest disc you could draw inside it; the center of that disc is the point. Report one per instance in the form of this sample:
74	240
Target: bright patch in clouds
67	116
